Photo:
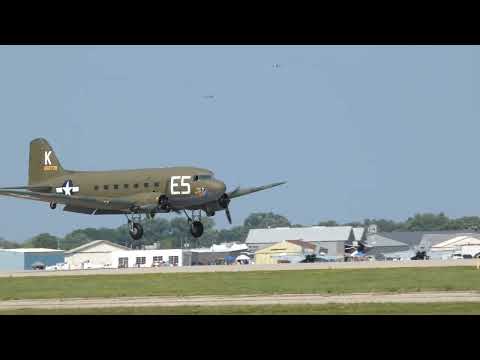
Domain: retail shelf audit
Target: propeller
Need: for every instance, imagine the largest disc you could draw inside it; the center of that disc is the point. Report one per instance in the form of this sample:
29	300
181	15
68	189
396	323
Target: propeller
229	217
224	201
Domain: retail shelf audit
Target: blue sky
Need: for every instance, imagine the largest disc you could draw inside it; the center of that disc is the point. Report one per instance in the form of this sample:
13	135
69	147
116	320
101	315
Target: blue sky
357	131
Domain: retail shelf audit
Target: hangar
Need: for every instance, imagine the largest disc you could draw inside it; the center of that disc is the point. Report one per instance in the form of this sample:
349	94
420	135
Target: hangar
330	240
24	259
465	245
288	251
437	244
98	252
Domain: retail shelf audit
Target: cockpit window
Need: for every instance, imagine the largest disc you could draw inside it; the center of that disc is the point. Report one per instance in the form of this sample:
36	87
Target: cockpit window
202	177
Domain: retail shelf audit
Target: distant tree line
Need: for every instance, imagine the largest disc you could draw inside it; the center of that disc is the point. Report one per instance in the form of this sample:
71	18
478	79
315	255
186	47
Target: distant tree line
175	233
419	222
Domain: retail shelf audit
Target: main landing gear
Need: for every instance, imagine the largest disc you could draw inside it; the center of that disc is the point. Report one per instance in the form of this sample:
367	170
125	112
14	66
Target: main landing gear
196	226
134	227
136	230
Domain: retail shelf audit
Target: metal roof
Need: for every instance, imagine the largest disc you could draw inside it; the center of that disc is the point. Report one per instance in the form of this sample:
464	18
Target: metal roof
94	243
313	233
358	233
415	238
32	250
378	240
302	244
458	241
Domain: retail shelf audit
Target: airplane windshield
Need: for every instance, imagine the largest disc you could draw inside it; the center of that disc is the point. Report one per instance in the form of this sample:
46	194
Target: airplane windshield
204	177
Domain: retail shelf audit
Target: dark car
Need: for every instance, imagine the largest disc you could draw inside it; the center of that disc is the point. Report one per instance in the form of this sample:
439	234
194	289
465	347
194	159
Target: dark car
38	266
420	255
309	259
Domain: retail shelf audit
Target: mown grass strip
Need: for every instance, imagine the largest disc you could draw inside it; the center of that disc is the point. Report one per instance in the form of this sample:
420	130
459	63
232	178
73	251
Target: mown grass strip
338	281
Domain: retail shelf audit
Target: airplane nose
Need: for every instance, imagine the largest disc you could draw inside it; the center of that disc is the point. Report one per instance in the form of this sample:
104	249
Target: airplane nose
223	188
220	187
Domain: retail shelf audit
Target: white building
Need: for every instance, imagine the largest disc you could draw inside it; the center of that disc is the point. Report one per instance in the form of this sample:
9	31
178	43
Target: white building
464	245
218	254
147	258
97	254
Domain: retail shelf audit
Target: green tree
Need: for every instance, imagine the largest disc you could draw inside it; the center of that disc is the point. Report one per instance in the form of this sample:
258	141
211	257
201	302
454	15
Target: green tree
427	222
328	223
5	244
265	220
76	238
44	240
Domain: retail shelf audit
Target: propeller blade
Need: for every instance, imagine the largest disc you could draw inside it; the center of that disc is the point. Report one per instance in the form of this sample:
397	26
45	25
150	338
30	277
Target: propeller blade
229	217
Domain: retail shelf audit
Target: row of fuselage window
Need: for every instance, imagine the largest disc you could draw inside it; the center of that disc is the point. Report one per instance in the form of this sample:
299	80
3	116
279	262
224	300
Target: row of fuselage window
126	186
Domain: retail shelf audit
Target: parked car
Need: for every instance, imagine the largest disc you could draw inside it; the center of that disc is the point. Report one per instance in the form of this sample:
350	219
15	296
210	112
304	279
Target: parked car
420	255
309	259
38	266
58	266
159	264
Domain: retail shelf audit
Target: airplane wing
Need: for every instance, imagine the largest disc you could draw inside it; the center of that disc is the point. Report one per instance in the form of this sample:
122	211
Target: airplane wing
245	191
73	201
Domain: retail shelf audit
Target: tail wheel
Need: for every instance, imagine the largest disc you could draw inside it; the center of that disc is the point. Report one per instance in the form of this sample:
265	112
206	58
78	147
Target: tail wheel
196	229
136	231
53	205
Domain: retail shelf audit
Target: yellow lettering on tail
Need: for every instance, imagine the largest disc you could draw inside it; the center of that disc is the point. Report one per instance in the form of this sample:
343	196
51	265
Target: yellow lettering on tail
50	168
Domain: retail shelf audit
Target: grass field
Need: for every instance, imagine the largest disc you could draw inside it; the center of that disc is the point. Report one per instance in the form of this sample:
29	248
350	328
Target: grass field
330	281
330	309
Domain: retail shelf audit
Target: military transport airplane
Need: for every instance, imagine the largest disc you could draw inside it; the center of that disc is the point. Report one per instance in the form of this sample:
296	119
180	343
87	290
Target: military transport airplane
132	193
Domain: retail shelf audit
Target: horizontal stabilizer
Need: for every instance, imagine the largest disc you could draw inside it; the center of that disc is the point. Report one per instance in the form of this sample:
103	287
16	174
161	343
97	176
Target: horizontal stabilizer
30	188
74	201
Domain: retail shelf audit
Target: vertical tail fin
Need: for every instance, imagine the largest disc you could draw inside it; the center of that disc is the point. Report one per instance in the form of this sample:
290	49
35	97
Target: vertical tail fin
44	163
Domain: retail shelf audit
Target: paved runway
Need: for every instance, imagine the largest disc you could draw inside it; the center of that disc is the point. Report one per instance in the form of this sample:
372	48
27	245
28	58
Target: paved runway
421	297
234	268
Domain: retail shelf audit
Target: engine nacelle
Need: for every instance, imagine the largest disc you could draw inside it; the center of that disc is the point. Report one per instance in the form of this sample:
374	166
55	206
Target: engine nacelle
224	201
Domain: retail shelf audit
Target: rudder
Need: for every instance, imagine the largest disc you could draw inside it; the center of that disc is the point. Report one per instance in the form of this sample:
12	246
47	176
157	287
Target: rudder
44	163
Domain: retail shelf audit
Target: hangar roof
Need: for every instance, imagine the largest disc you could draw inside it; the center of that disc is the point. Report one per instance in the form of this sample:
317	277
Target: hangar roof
358	232
313	233
302	244
32	250
96	243
415	238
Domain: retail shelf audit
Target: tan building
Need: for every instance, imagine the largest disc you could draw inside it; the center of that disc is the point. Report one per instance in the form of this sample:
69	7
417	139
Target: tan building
291	251
96	253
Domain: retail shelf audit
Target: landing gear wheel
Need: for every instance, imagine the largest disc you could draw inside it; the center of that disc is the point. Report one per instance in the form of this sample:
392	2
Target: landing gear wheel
136	231
53	205
196	229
